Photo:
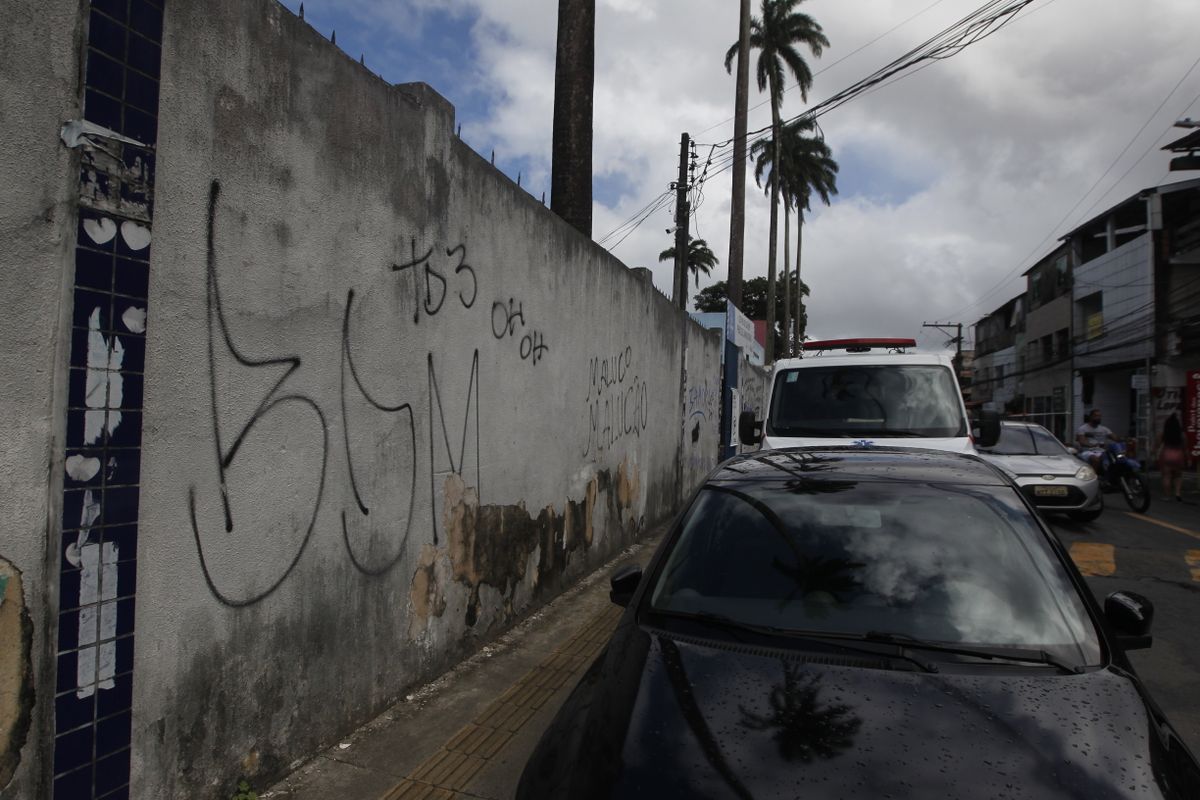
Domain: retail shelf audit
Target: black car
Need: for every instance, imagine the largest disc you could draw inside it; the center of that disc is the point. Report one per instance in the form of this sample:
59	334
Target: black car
863	623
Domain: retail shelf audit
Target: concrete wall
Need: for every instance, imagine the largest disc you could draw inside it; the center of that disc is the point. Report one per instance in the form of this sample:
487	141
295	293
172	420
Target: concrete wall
753	382
392	403
39	45
389	404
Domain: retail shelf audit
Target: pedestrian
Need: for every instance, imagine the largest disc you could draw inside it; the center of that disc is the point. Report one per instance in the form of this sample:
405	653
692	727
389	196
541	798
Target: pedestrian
1171	458
1091	437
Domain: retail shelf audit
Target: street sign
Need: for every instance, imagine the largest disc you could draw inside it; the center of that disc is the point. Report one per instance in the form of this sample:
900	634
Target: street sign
739	328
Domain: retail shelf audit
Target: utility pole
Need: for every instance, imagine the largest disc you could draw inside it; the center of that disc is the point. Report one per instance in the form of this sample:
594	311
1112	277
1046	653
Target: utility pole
737	214
956	340
682	214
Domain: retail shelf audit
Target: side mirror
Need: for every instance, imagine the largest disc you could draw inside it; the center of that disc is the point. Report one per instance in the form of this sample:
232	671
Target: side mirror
1130	616
1072	451
749	430
624	583
989	428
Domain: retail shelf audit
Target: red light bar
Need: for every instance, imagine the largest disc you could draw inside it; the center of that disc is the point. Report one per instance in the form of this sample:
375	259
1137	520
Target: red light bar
839	344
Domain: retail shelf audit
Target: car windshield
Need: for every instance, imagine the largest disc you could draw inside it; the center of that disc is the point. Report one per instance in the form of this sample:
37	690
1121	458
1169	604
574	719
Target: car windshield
1026	440
879	400
962	565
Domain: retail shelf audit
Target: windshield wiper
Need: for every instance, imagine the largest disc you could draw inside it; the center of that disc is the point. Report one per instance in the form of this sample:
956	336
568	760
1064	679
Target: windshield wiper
991	653
834	639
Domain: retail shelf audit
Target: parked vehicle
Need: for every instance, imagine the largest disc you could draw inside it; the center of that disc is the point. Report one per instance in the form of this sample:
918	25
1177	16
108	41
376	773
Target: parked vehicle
1049	475
865	391
882	622
1121	472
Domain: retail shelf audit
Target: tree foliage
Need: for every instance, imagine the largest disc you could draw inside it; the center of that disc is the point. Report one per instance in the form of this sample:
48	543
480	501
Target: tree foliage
807	166
754	301
699	258
778	36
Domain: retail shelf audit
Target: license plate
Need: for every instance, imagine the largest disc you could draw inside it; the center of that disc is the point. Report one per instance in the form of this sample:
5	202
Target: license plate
1050	491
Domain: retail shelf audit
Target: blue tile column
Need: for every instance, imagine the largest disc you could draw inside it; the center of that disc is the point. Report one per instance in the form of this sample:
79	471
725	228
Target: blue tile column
99	531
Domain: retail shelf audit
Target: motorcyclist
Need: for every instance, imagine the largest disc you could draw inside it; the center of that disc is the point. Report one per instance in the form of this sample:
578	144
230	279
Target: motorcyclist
1091	437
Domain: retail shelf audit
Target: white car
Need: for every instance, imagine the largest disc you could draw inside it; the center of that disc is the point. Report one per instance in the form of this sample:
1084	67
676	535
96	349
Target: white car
1050	477
865	392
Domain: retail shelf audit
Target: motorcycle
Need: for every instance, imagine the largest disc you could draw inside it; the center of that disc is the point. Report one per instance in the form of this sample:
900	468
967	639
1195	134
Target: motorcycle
1122	473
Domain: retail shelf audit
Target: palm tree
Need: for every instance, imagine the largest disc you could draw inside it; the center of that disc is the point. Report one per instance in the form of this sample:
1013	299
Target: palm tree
806	166
699	258
777	36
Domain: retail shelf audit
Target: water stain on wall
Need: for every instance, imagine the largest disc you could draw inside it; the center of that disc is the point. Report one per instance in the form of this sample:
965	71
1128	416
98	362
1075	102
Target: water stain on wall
16	675
496	545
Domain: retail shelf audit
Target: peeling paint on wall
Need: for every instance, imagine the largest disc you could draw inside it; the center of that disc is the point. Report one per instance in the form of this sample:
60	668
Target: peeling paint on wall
16	675
506	549
116	171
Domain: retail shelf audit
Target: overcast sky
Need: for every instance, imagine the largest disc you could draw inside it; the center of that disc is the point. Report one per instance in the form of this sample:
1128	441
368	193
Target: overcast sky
953	181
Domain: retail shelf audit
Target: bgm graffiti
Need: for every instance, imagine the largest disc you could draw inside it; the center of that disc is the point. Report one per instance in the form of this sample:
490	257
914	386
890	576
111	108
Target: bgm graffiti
617	402
226	451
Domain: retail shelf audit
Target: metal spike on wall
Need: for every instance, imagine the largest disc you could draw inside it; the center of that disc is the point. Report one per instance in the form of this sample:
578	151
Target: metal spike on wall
302	11
543	198
518	179
459	133
333	38
362	59
493	156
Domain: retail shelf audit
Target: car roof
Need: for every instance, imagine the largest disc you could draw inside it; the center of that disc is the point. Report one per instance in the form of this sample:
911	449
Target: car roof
871	358
860	463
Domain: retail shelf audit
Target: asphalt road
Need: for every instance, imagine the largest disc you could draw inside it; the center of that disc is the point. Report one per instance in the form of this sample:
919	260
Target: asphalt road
1157	555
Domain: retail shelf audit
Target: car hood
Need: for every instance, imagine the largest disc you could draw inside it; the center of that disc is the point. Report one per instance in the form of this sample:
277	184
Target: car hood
1035	465
684	718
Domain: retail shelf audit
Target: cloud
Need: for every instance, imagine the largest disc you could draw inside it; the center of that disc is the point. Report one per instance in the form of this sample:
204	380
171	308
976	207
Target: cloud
954	176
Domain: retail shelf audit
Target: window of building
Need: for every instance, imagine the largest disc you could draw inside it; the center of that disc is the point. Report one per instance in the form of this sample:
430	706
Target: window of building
1091	315
1062	280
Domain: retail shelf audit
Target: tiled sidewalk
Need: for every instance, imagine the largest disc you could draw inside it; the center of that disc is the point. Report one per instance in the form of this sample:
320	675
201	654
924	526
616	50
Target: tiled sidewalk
469	733
448	771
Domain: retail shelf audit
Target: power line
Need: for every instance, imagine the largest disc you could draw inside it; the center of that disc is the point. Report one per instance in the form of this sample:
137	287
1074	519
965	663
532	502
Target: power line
663	200
976	26
1021	265
639	215
833	64
1116	330
1153	145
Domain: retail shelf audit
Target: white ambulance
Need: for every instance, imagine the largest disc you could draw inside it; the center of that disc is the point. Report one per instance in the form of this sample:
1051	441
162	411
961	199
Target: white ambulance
866	392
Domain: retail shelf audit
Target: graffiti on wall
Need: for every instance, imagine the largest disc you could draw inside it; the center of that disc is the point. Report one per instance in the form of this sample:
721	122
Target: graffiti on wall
618	403
311	421
437	284
508	321
703	406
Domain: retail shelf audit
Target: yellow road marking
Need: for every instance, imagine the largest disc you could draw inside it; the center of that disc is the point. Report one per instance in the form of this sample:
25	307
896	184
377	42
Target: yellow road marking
1093	558
1193	560
1167	525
